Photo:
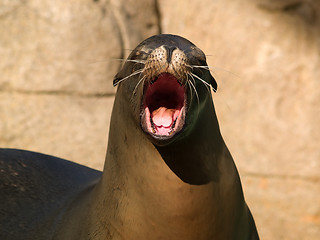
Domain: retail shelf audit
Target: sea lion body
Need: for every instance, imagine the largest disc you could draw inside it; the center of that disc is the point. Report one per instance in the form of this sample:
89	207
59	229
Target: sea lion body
35	190
168	173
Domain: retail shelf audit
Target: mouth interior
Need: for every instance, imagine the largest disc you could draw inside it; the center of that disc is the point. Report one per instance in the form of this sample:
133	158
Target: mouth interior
164	105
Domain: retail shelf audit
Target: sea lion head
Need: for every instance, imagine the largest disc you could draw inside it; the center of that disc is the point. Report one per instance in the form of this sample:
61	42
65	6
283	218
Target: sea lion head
166	81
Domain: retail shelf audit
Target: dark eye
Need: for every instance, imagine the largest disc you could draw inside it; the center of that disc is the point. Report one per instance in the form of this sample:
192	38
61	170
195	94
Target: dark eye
140	55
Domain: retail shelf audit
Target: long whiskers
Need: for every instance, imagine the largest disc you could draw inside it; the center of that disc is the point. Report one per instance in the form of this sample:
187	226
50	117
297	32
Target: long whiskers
127	77
211	69
196	66
131	60
135	89
193	86
118	59
204	82
195	90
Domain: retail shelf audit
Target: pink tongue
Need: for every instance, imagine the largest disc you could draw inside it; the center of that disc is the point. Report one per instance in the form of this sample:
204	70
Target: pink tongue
163	117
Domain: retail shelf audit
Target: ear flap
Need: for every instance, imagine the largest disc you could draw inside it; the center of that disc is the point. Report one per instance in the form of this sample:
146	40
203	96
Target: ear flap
116	80
128	70
119	76
212	82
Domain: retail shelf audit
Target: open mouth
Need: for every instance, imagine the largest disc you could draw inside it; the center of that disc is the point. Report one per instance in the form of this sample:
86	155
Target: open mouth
164	106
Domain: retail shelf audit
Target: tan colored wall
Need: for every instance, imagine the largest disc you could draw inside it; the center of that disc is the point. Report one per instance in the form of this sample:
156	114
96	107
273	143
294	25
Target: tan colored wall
265	56
57	64
58	59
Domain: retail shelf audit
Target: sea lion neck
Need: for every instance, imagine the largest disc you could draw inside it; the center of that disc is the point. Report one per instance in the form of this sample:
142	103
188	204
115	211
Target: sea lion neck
167	174
178	188
181	156
144	183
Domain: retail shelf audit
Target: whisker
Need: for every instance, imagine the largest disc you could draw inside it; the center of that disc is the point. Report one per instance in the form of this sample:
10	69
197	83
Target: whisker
227	71
118	59
193	86
135	89
194	81
130	60
211	69
204	82
187	82
190	66
196	66
131	75
195	90
100	61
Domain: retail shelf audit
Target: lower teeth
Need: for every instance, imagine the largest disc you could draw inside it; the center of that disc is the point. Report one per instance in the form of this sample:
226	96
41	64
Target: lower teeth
174	123
171	131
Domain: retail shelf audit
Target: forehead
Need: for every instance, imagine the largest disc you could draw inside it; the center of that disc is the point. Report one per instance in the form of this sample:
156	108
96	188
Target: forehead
167	39
171	41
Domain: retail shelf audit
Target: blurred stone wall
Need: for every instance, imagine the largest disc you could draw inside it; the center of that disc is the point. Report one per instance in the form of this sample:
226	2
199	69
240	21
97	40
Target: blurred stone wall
265	56
58	59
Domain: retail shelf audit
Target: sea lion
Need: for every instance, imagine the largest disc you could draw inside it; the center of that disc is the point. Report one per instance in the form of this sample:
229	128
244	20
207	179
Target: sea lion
168	173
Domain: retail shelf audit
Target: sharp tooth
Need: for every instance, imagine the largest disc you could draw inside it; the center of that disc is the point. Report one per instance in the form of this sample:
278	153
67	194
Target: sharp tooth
171	131
152	125
174	123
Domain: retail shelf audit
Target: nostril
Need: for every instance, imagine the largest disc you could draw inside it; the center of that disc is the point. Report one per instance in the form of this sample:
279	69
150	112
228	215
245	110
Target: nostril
169	51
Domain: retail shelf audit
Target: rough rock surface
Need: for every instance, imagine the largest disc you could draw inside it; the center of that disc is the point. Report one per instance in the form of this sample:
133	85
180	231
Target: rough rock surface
265	57
58	59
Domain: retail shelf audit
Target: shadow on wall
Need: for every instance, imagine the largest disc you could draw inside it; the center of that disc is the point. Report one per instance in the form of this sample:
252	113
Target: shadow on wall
265	58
